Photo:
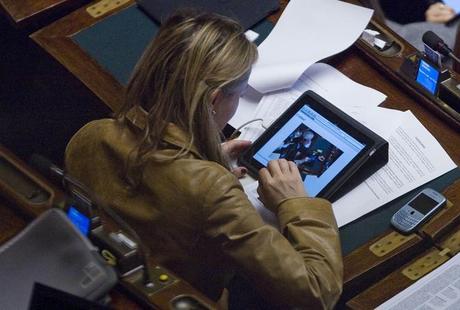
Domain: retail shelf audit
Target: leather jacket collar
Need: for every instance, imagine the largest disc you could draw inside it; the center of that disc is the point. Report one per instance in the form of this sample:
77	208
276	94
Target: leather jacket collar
173	134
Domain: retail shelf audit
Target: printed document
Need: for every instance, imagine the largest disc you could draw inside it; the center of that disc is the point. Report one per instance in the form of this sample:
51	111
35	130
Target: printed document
307	31
415	158
326	81
440	289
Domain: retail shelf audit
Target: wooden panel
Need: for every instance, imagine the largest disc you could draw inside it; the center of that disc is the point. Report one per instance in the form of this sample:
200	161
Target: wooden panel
362	268
10	222
56	39
386	287
359	63
25	12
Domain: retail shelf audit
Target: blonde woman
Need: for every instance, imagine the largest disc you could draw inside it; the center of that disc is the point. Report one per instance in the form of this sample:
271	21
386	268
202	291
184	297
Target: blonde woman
162	166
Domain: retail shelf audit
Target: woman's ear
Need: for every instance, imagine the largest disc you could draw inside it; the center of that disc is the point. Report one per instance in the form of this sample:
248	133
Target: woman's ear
216	98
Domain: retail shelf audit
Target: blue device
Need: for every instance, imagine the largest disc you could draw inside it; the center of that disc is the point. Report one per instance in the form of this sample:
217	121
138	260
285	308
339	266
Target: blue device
428	76
81	221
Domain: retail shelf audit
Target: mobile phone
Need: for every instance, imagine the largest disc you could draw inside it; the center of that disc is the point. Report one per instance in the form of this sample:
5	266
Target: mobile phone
418	210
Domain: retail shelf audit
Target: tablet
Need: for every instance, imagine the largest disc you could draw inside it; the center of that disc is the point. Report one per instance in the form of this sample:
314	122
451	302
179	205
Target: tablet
326	144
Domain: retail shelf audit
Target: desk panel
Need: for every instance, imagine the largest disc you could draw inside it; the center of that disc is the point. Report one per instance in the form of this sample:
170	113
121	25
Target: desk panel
99	71
102	51
92	48
25	12
125	35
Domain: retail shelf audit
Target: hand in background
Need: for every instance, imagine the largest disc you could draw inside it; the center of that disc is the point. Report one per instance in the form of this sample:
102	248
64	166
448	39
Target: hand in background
439	13
232	149
280	180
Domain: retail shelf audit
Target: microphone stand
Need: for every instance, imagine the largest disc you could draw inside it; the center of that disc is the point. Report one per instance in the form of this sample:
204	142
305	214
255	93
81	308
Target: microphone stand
455	58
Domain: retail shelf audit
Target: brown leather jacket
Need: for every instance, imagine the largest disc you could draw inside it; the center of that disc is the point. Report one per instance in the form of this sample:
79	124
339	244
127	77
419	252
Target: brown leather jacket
198	222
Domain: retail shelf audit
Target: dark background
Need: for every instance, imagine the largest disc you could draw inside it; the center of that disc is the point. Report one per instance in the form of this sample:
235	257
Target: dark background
41	104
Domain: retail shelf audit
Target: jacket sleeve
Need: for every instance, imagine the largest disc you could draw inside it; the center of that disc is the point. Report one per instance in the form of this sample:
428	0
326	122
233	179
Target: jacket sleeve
300	267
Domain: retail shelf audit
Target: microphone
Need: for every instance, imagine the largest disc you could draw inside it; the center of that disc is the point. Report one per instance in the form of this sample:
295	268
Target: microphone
83	197
436	43
50	170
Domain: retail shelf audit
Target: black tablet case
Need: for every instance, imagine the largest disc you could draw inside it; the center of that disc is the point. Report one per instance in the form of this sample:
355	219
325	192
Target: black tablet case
371	161
246	12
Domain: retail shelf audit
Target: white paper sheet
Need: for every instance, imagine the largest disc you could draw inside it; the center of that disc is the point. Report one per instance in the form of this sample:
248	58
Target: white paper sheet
440	289
307	31
246	108
415	158
328	82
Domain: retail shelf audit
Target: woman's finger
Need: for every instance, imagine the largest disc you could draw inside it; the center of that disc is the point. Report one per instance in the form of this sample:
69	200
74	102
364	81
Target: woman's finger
293	168
235	147
239	172
284	166
274	167
264	176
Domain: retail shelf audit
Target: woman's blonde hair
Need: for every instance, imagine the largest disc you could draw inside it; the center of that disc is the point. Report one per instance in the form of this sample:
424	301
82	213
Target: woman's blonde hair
191	58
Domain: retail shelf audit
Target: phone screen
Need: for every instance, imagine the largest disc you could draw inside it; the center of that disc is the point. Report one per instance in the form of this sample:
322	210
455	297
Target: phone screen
81	221
423	204
427	76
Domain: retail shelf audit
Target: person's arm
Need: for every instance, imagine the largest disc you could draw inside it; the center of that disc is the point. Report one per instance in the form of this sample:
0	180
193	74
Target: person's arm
405	11
439	13
301	267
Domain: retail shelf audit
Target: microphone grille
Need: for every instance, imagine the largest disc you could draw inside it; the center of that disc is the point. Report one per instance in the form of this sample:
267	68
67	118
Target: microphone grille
431	39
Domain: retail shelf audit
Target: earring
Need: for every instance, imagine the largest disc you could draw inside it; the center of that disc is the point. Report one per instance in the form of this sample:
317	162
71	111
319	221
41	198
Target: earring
213	112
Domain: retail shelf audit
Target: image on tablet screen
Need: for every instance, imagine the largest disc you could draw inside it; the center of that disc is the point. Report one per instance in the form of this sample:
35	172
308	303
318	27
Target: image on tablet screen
319	148
312	153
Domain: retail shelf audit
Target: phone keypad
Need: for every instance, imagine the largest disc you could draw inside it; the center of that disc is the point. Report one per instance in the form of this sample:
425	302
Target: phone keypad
406	219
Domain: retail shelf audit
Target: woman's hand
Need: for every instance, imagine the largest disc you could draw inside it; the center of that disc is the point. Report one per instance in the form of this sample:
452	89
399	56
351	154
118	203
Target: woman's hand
439	13
279	181
232	149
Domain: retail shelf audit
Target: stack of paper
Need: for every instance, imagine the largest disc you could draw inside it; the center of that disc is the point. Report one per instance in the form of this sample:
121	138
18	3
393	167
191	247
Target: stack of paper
415	157
324	80
310	30
307	31
440	289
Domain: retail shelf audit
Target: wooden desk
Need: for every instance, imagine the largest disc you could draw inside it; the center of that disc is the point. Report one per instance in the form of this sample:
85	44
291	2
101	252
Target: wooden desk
359	62
23	13
12	222
25	194
56	39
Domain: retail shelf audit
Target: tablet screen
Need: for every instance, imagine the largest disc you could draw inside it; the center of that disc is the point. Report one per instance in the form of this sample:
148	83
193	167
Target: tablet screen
320	149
